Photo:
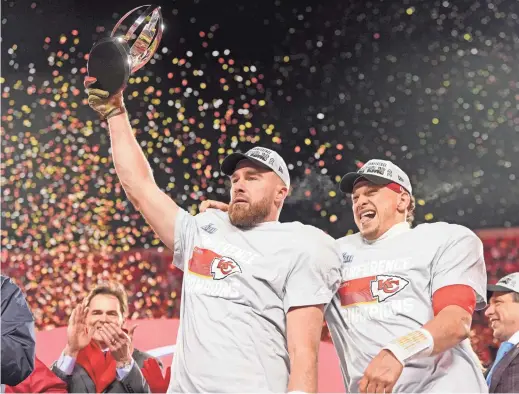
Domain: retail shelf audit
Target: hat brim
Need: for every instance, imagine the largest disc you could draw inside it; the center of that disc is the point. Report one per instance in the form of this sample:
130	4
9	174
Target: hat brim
493	288
230	163
348	181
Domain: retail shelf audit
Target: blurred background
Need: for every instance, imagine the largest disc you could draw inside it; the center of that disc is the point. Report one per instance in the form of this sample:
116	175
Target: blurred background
431	85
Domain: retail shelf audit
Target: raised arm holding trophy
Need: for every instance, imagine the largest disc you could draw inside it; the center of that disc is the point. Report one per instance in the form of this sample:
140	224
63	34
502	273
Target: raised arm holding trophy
112	60
242	328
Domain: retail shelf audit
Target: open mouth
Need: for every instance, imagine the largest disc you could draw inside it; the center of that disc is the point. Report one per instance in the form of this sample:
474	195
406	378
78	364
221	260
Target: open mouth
366	217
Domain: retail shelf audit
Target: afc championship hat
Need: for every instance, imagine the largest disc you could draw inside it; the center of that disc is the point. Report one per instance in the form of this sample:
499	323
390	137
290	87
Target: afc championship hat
262	156
380	172
506	284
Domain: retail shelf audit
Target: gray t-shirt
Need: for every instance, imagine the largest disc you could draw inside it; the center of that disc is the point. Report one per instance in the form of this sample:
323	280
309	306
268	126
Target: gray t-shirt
238	287
387	292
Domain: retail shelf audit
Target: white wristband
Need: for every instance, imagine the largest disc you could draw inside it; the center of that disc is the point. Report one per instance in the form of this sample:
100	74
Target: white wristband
416	344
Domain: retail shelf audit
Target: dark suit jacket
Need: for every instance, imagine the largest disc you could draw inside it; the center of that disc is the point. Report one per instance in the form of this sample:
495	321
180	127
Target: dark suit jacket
134	382
18	336
505	378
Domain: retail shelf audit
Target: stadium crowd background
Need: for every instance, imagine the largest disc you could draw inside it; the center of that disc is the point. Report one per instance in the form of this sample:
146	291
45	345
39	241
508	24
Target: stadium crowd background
431	85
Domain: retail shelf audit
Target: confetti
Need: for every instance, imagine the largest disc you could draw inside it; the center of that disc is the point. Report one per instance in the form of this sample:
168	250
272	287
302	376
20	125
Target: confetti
433	87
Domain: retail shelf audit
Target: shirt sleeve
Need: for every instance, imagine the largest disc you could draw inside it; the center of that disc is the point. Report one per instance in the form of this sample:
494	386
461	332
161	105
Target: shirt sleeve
185	231
123	372
315	276
66	364
461	262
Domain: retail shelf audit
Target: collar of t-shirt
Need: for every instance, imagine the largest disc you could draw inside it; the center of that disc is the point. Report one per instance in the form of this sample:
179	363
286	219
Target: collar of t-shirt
514	338
397	229
259	225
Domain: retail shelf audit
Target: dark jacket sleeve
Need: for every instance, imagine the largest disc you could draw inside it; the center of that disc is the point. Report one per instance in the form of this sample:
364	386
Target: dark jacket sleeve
42	380
134	382
18	336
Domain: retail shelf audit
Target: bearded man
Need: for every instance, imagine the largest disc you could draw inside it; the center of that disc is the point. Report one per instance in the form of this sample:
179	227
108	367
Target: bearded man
254	289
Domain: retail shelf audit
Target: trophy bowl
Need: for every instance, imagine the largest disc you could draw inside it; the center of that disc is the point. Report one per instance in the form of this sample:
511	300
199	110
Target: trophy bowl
112	60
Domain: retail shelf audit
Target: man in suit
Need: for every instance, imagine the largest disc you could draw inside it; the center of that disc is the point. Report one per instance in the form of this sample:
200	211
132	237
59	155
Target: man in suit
503	314
99	356
18	337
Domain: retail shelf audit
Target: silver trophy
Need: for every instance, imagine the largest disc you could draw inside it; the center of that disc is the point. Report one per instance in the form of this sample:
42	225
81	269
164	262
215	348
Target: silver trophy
112	60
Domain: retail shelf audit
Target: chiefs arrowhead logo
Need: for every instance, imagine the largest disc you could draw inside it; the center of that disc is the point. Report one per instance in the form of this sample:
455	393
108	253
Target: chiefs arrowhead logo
385	286
222	267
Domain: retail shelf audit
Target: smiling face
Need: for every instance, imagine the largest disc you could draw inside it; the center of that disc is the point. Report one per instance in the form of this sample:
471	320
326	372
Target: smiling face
103	308
503	314
377	208
257	195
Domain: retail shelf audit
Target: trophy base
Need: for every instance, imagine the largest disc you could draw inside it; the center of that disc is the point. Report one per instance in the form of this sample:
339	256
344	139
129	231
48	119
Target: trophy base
109	63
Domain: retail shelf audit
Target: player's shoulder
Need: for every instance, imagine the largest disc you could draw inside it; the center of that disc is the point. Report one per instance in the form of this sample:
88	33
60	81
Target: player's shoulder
350	240
307	233
450	231
313	244
444	228
210	220
212	213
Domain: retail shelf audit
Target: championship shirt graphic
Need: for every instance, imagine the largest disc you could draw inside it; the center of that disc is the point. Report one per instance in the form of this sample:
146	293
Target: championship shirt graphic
209	265
371	289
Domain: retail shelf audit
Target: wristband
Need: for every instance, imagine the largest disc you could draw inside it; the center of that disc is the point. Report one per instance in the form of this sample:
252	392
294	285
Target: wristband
416	344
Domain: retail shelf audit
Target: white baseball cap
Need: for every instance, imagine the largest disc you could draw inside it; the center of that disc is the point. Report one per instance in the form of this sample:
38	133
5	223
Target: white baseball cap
263	156
380	172
507	283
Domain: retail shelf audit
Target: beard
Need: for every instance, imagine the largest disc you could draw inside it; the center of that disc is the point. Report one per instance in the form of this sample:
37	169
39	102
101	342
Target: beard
246	216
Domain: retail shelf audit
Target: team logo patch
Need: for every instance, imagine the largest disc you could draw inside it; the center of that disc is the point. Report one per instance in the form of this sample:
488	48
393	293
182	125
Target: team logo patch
347	258
222	267
210	228
207	264
371	289
385	286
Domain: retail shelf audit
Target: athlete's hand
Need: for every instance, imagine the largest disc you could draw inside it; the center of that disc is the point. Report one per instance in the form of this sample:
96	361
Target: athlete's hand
213	204
101	101
381	374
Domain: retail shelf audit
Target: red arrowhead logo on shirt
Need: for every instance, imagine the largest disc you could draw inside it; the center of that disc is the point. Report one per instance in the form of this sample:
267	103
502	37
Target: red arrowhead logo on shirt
385	286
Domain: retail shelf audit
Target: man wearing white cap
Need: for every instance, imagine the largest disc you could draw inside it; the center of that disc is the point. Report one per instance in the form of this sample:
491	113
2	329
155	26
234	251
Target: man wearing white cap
401	318
254	289
503	315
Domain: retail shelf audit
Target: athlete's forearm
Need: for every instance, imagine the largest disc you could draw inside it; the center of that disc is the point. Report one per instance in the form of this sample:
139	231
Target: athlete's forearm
303	371
131	165
136	177
448	328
